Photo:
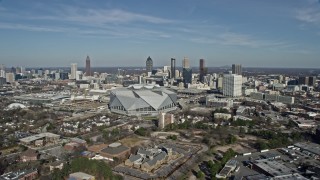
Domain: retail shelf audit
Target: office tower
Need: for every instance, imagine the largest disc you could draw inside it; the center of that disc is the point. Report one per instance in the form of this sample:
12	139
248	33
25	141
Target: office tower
185	63
232	85
79	75
64	75
2	67
40	72
237	69
73	71
88	67
303	80
202	70
187	76
2	81
10	77
149	64
56	76
312	80
23	70
2	73
18	70
173	68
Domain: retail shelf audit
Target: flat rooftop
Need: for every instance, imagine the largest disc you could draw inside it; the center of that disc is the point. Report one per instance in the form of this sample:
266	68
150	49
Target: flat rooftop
308	146
39	136
273	168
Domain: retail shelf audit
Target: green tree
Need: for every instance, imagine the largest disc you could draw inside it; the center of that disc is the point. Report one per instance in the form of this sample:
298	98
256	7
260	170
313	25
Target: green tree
200	175
141	131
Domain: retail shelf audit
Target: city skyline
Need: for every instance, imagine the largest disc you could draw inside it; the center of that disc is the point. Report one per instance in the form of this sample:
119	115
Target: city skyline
251	33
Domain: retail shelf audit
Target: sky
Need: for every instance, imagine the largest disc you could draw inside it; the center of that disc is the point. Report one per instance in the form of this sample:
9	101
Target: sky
254	33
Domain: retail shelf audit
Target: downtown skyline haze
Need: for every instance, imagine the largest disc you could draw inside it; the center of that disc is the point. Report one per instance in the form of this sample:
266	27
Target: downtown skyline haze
254	33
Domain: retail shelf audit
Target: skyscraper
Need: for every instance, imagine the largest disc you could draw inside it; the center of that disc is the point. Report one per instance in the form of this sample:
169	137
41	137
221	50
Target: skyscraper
185	63
173	68
73	71
237	69
2	67
149	64
312	80
202	70
88	67
304	80
232	85
2	71
187	76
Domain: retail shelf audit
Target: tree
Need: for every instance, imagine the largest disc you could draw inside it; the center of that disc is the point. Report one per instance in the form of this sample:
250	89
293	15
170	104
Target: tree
200	175
141	131
173	137
260	145
231	139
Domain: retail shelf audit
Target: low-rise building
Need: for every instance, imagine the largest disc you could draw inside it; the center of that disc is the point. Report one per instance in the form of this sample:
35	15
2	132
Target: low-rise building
111	151
41	139
224	116
29	155
213	101
56	165
30	174
151	158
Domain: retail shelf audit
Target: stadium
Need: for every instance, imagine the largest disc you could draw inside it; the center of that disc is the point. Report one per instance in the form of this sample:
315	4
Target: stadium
142	100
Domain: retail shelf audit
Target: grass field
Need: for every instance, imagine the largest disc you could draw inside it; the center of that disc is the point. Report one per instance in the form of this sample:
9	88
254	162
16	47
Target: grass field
132	141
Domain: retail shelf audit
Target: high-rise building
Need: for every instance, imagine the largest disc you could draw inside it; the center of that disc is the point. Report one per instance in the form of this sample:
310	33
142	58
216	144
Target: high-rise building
64	75
88	66
312	80
74	69
149	64
10	77
304	80
2	67
187	76
173	68
237	69
232	85
202	70
185	63
2	73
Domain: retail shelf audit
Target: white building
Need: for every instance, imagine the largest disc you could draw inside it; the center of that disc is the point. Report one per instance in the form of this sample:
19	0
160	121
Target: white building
10	77
232	85
2	73
74	69
142	100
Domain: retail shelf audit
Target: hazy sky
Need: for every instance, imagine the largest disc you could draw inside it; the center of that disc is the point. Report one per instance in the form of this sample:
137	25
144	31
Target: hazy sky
267	33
